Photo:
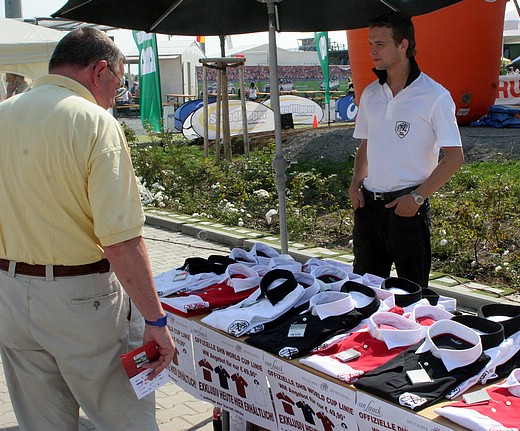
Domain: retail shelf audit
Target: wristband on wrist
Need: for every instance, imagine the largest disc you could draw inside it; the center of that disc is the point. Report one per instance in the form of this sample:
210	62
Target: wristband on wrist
159	323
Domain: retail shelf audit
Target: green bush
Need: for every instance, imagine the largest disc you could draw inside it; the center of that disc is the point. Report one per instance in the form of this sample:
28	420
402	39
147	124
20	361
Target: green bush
475	231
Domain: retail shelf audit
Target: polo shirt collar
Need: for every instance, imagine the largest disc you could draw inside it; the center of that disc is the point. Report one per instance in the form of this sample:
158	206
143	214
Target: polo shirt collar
327	304
241	277
491	333
263	253
365	298
242	256
394	329
63	81
406	292
431	311
310	285
330	277
412	75
452	358
507	314
512	384
284	262
372	280
277	284
260	269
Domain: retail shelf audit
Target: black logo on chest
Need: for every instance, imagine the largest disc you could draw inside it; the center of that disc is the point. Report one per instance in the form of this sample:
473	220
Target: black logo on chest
402	128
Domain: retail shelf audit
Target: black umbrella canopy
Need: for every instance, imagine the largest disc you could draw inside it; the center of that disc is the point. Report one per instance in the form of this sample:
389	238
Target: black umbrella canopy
223	17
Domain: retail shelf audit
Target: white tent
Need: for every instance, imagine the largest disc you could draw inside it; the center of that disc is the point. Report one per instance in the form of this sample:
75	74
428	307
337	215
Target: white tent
178	59
25	49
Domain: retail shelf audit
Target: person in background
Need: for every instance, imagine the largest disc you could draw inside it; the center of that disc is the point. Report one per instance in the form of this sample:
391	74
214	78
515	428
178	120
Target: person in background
123	96
16	84
404	119
75	277
252	91
134	91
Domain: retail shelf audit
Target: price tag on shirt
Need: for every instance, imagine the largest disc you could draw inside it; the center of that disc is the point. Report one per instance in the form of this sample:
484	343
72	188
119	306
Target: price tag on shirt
180	276
347	355
479	396
418	376
297	330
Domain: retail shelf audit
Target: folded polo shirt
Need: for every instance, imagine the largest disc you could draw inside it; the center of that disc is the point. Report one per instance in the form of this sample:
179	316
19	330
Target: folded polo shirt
238	283
311	287
386	335
500	412
329	313
177	281
506	352
278	292
492	337
450	354
509	317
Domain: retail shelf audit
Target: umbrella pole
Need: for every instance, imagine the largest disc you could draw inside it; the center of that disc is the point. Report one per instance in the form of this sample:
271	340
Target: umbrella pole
280	163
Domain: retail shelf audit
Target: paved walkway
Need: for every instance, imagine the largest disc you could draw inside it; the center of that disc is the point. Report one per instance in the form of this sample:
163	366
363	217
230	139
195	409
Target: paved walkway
176	409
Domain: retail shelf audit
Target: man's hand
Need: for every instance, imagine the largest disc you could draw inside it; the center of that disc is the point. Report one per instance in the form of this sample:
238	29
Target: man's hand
405	206
356	197
163	339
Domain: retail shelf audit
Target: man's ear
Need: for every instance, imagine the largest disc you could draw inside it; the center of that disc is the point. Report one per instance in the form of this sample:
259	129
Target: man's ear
98	70
404	44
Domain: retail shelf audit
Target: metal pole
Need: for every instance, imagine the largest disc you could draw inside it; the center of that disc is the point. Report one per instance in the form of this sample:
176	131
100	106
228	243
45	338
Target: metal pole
218	114
13	9
244	110
280	163
226	139
205	109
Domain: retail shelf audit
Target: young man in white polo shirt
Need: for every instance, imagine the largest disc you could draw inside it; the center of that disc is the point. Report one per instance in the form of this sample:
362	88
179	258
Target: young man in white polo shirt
404	119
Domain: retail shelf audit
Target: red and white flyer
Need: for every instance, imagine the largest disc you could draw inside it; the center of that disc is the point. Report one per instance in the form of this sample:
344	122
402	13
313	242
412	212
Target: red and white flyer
133	363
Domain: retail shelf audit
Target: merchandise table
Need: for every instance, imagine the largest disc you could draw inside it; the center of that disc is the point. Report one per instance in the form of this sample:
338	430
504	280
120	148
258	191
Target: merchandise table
278	394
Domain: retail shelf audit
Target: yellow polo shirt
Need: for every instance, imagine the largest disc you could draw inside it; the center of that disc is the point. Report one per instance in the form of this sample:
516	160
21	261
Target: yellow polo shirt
67	185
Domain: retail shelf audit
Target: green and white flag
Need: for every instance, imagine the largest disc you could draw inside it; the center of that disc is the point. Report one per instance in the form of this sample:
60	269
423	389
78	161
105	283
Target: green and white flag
321	40
150	100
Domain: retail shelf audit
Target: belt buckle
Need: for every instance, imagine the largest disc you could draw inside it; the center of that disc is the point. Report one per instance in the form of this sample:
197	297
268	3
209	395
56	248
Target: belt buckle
378	196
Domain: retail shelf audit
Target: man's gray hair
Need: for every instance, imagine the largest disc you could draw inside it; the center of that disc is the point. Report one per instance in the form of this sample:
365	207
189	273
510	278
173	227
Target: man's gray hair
84	46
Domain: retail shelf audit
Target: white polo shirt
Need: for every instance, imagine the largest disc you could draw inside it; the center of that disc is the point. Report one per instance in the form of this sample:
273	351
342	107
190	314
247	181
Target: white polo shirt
405	132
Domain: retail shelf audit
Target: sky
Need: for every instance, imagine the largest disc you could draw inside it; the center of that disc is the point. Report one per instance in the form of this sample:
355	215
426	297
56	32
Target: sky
123	38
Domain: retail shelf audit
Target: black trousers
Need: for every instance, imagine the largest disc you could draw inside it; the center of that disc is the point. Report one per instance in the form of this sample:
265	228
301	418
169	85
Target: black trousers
381	238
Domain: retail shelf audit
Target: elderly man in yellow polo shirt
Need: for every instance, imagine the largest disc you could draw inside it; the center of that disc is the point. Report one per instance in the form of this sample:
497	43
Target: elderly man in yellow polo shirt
75	277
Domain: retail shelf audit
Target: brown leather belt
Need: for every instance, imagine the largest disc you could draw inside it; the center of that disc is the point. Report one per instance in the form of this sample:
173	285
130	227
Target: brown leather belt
58	270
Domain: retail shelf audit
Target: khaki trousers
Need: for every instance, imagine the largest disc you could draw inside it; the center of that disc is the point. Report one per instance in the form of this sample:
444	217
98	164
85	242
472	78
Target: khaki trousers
60	343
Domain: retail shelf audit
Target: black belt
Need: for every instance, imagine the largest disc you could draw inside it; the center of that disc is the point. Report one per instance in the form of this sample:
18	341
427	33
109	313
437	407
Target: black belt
58	270
386	196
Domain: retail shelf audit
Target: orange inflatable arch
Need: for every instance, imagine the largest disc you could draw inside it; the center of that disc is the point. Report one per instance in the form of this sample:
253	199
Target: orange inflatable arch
459	46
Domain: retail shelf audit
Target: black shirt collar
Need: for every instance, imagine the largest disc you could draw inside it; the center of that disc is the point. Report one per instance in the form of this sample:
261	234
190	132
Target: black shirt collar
412	76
